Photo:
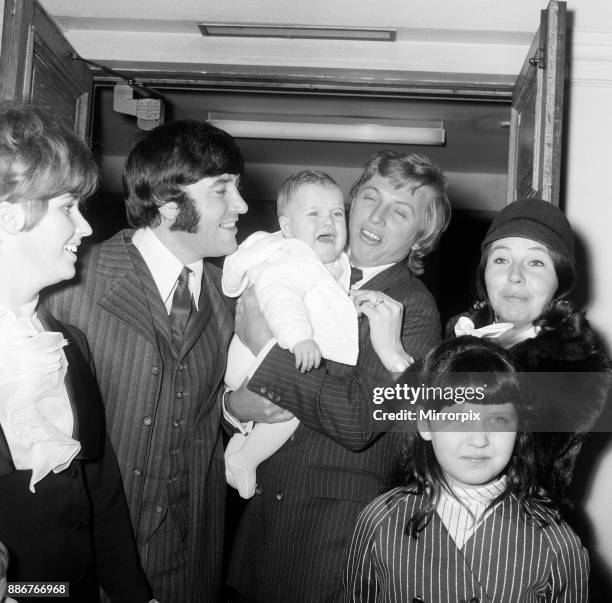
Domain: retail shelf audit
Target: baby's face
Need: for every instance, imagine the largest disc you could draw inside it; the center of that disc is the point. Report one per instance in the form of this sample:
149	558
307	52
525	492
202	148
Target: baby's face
315	215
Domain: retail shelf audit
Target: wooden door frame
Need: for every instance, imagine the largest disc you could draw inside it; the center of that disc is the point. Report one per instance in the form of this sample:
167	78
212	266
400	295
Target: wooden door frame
343	82
15	40
31	38
539	89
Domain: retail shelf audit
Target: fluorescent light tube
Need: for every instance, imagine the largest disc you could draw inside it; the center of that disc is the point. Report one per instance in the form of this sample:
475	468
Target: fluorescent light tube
254	30
354	129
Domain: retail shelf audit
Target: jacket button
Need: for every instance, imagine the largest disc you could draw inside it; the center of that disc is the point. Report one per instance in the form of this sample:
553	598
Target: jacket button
176	423
258	490
155	370
136	471
280	496
263	390
159	509
179	395
148	421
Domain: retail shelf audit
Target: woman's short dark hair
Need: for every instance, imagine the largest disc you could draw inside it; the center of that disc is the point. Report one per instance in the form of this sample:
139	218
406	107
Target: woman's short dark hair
174	155
413	171
41	158
564	269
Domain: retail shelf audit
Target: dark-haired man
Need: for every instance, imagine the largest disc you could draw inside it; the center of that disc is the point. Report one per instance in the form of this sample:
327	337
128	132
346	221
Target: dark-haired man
159	327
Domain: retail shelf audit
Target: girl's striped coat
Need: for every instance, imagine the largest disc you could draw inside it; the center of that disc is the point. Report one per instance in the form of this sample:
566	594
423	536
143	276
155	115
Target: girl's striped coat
509	559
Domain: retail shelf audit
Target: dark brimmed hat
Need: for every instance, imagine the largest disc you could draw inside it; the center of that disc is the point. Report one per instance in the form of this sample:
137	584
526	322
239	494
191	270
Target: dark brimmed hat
534	219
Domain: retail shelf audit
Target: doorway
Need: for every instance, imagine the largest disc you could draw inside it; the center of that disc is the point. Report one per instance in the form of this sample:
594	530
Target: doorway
474	158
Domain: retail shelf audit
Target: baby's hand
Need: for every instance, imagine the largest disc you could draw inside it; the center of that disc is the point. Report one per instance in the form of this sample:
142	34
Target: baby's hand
307	355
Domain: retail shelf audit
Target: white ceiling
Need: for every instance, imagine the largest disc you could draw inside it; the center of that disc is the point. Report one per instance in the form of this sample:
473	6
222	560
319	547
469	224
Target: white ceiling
467	36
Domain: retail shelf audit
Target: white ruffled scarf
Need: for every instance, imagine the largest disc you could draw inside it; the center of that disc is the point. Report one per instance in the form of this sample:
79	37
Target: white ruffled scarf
35	412
496	330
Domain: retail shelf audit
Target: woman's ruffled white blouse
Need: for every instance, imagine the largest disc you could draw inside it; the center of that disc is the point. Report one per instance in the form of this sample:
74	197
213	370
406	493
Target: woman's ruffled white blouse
35	411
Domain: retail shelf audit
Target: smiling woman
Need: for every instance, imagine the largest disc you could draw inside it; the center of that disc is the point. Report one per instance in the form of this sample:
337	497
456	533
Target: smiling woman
526	271
49	248
520	279
64	516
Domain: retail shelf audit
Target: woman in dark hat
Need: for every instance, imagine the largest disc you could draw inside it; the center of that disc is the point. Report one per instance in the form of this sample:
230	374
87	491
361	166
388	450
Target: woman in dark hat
526	270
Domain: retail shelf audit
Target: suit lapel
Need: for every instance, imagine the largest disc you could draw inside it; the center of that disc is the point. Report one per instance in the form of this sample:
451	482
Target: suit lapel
134	298
440	546
392	276
82	391
492	530
6	460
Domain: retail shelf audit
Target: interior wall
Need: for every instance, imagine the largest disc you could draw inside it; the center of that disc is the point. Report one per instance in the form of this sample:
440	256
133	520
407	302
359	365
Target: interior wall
2	2
589	207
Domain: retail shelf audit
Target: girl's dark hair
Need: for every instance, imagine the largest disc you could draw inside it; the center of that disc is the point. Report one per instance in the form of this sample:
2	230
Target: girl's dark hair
468	362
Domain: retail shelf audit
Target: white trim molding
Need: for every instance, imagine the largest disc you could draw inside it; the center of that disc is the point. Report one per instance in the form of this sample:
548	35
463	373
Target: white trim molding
591	57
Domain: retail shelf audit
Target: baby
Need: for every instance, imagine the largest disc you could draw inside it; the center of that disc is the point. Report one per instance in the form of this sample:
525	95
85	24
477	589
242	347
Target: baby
301	277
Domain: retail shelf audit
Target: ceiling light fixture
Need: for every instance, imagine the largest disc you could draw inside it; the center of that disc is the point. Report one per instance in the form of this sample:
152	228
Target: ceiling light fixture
253	30
324	128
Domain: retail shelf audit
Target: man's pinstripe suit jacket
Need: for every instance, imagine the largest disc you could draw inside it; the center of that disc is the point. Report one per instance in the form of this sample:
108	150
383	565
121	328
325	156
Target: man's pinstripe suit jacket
162	409
294	535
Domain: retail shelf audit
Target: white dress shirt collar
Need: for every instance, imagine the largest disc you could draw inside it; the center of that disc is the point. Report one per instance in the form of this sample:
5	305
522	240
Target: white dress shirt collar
165	267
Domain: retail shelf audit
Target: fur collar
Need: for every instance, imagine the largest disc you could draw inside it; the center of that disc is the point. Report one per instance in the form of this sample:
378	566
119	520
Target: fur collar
565	345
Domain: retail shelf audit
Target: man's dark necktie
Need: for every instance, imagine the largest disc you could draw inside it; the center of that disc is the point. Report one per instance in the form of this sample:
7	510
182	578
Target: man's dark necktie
182	306
356	275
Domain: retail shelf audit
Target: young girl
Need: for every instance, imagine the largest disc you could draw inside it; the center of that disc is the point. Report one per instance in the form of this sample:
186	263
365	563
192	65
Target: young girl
469	523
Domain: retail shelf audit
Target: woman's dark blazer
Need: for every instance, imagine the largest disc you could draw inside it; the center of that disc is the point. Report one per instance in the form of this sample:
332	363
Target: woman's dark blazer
76	526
